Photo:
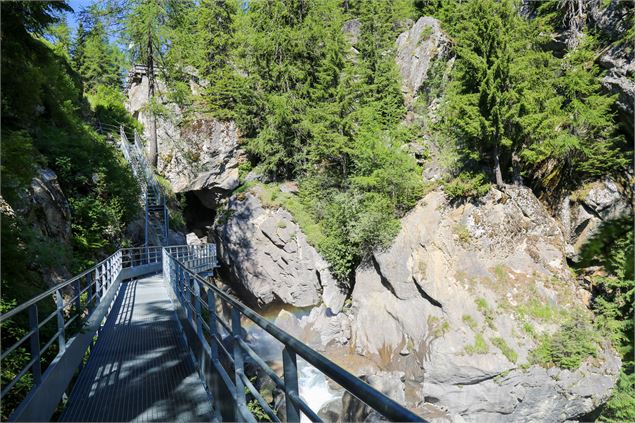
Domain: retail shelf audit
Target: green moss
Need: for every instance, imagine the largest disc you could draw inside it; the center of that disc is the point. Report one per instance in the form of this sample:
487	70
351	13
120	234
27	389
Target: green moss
437	326
463	233
486	311
270	196
469	320
501	273
479	346
507	351
529	329
542	311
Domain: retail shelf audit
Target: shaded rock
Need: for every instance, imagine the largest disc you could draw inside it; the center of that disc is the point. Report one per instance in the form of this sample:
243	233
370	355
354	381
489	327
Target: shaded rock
48	208
582	212
352	30
265	252
193	239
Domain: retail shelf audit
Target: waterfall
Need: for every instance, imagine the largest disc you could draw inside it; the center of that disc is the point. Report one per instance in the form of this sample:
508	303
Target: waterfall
314	388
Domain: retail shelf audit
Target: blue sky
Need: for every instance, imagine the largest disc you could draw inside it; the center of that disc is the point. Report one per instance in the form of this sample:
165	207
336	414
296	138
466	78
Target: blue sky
77	5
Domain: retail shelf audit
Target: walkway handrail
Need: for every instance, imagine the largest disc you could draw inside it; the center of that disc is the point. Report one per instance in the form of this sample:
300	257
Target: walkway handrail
187	286
73	302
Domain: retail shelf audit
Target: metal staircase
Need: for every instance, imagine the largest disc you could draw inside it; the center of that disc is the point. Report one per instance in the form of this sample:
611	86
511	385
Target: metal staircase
152	199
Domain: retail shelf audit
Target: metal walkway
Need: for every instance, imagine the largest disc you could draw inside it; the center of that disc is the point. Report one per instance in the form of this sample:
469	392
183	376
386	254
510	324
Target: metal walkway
140	368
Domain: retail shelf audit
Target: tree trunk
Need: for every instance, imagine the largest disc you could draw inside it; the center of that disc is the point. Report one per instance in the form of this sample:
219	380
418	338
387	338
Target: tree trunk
497	168
153	149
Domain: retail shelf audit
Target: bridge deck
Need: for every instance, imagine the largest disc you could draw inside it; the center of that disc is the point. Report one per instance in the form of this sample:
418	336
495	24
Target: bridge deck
139	369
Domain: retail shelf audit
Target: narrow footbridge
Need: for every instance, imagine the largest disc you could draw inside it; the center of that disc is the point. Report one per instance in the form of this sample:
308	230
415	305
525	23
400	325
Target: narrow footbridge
146	335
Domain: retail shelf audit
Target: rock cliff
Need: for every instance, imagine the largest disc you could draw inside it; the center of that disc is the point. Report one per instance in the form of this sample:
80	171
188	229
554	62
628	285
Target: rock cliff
196	153
266	255
450	304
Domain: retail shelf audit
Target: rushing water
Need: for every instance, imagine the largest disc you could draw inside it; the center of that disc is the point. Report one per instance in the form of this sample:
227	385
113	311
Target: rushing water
313	385
314	388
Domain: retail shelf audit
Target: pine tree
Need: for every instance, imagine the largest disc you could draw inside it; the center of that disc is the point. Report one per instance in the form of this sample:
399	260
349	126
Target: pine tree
146	24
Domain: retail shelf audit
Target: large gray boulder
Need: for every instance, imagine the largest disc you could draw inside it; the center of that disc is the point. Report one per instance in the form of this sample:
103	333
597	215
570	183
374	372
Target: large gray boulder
266	254
457	276
196	153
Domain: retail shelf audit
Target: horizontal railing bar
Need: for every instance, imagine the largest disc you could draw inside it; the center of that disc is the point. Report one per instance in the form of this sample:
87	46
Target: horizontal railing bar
366	393
224	325
71	320
227	353
261	363
50	342
16	345
19	376
48	319
155	257
304	408
259	398
52	290
226	379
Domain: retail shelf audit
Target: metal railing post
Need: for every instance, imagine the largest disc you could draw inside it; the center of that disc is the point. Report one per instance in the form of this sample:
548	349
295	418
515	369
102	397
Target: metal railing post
213	329
238	366
290	369
36	369
59	302
197	308
78	297
97	286
89	291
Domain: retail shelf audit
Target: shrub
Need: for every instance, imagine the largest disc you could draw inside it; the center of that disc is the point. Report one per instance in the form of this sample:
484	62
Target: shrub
507	351
469	321
486	311
479	346
467	185
569	346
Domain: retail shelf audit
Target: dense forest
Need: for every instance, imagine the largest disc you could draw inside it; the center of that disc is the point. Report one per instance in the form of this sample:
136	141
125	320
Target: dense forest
512	109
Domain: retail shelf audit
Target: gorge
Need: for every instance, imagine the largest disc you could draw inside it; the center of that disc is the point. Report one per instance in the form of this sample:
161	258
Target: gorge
346	157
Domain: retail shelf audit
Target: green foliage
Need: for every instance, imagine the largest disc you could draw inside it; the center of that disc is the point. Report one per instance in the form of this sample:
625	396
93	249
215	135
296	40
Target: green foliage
486	311
467	185
507	351
612	248
513	103
541	310
18	163
97	60
107	105
469	321
572	343
621	405
479	347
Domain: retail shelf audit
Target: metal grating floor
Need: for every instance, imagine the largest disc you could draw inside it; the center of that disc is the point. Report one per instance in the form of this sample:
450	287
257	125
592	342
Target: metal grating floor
139	369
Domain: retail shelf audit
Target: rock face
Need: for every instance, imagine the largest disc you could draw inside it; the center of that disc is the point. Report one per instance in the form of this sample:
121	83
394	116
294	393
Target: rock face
47	207
417	48
457	276
199	154
582	213
266	253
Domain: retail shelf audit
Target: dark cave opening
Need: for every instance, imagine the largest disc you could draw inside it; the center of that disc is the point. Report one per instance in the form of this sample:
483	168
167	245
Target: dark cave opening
198	218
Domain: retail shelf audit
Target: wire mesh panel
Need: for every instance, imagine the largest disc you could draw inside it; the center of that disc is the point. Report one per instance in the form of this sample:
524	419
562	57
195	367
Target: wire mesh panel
217	340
